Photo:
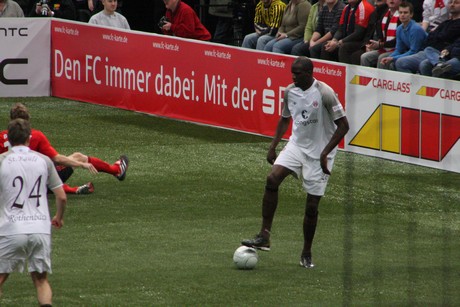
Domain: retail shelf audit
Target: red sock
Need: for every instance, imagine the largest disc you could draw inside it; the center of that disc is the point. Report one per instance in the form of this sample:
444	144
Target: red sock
69	190
103	166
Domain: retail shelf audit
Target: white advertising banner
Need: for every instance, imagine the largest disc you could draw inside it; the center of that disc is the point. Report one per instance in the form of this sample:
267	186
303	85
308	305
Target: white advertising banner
404	117
24	57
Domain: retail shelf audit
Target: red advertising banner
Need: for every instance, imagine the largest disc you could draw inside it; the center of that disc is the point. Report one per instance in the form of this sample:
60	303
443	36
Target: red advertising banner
188	80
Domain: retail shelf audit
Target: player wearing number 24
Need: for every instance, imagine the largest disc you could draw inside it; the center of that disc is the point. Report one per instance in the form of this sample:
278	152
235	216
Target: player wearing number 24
25	223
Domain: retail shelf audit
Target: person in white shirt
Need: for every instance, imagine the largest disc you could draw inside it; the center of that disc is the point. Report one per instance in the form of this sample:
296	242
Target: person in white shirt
25	223
435	12
9	8
109	17
318	125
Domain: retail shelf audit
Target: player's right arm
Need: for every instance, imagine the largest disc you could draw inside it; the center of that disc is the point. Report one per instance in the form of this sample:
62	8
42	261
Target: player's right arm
42	145
281	128
283	125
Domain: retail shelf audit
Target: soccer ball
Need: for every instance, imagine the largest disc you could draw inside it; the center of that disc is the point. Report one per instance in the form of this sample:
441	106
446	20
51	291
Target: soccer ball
245	258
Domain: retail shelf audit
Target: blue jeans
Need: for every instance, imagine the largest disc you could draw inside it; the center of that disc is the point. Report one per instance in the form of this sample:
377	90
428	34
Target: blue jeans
410	63
282	46
432	59
301	49
254	41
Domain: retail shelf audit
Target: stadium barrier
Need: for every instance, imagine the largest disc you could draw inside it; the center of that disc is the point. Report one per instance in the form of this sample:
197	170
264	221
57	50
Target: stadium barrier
392	115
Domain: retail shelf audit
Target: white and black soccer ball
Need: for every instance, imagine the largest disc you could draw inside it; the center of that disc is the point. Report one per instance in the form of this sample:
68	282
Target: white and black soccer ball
245	258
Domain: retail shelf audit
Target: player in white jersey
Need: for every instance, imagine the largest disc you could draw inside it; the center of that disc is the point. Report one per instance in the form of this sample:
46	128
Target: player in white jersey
319	123
25	223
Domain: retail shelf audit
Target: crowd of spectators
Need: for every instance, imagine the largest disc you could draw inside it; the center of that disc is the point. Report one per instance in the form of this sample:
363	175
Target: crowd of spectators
415	36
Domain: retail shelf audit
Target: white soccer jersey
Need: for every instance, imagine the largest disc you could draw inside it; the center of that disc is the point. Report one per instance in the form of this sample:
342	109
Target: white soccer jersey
313	114
25	176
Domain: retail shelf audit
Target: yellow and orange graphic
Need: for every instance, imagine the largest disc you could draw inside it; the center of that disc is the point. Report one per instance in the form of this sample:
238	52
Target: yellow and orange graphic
360	80
428	91
409	132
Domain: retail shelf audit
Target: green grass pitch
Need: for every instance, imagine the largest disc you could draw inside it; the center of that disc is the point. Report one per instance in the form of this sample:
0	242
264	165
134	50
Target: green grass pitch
388	232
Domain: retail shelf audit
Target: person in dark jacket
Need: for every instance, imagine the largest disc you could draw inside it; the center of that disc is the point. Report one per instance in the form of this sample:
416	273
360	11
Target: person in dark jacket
64	9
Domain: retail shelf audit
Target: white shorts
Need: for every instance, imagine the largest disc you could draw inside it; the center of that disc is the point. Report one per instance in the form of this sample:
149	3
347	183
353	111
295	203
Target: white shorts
314	180
15	250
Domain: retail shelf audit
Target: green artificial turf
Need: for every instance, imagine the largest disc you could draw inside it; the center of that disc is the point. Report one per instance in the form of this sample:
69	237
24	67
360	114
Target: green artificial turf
388	232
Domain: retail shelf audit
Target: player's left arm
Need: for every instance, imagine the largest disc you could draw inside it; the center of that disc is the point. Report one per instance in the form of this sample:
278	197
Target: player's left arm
61	201
63	160
337	114
54	183
342	129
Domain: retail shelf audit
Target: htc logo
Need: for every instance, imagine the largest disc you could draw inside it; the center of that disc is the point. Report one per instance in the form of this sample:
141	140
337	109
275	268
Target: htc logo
11	32
4	79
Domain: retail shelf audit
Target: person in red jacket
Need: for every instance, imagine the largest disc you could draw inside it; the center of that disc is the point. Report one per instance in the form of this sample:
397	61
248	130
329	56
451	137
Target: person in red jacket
181	20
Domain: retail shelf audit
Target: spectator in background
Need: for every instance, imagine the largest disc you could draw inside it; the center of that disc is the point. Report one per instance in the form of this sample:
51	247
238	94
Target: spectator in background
448	63
380	8
385	36
410	38
418	10
440	43
26	5
143	15
434	13
84	8
9	8
55	8
355	29
223	10
267	20
303	48
292	27
182	21
109	16
85	4
328	24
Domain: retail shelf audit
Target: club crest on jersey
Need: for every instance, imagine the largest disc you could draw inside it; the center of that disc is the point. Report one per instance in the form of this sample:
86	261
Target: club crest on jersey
337	108
315	104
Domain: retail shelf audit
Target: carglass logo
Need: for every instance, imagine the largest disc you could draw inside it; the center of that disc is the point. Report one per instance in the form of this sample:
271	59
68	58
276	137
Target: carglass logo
389	85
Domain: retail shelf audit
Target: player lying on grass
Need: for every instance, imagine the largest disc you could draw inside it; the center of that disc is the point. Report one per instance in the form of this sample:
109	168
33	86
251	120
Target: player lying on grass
65	164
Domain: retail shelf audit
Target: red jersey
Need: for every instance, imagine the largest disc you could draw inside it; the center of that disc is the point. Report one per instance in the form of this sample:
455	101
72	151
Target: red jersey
361	16
38	142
